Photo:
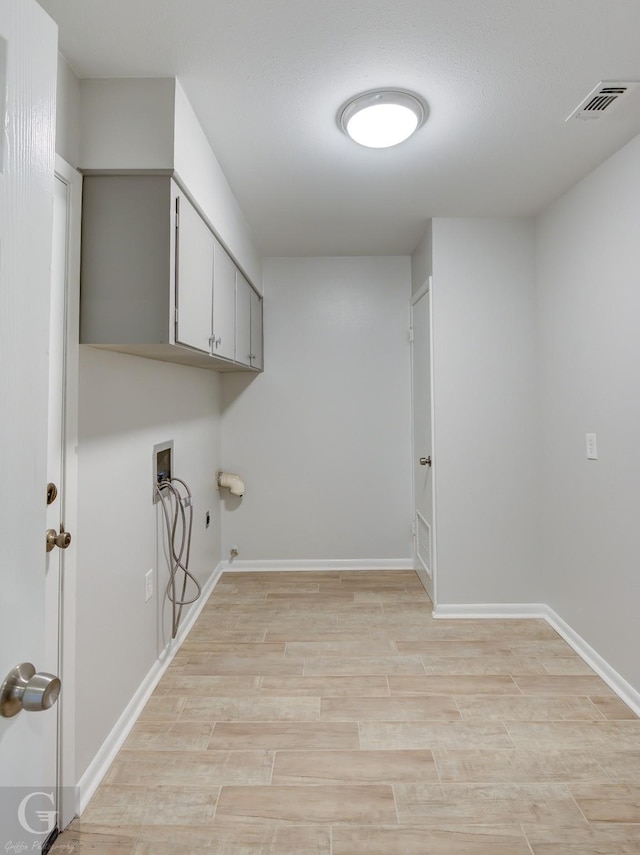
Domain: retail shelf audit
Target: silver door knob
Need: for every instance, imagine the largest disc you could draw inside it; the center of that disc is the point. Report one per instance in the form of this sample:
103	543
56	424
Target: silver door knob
425	461
23	689
62	539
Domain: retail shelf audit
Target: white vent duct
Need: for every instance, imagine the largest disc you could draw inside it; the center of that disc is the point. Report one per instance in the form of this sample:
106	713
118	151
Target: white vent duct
232	482
602	99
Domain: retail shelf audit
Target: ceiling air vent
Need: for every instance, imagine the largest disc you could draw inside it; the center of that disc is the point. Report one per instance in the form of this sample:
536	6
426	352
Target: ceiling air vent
602	99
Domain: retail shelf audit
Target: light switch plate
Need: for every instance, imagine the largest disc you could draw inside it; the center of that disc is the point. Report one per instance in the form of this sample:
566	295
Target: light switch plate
592	448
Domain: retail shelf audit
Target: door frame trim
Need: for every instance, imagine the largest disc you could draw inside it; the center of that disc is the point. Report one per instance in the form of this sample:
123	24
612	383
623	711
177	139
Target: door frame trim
67	807
426	289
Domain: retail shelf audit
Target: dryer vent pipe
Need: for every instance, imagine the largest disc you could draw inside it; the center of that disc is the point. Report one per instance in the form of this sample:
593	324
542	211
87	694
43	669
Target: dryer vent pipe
234	483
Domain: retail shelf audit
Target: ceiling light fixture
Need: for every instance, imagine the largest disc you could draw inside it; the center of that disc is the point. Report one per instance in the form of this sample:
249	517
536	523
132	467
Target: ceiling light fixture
382	118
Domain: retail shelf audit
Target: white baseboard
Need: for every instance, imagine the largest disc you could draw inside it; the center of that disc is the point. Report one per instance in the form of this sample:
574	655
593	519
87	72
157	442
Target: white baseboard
97	769
504	611
623	689
318	565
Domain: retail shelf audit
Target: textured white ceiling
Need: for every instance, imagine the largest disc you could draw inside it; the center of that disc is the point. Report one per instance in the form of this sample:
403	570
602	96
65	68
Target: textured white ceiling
266	79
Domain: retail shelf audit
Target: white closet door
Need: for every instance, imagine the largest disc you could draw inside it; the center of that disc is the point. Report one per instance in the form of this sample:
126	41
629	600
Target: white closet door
422	441
28	57
243	320
224	303
194	278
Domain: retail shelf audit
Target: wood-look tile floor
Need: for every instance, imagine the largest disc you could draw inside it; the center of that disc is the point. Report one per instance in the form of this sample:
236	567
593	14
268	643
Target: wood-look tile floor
330	714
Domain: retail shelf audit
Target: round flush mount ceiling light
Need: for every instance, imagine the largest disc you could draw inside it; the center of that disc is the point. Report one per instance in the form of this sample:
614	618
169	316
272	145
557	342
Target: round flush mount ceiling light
382	118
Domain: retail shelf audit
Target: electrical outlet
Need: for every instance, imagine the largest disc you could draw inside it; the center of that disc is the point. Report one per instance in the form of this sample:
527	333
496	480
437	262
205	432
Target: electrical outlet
592	448
148	586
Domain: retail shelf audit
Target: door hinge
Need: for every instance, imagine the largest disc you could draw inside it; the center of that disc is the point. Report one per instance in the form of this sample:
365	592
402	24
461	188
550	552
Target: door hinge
175	317
410	334
177	212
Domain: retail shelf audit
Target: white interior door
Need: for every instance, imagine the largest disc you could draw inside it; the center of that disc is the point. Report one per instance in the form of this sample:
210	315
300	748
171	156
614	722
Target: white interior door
55	522
28	62
62	481
422	440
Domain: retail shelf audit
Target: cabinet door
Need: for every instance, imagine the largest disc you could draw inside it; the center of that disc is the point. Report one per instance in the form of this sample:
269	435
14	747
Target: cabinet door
257	357
243	320
224	303
194	277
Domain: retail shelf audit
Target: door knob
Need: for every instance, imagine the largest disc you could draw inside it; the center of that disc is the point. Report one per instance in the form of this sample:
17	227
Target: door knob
63	539
425	461
23	689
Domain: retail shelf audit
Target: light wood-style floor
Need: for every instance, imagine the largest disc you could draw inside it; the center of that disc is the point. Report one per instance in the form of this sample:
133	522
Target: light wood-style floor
329	714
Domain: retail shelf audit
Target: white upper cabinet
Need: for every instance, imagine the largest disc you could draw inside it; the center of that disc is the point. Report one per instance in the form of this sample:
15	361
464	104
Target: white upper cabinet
194	277
224	304
156	282
257	346
248	324
128	257
244	297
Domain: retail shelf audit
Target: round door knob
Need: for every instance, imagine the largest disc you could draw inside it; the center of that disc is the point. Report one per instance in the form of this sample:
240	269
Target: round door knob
41	692
61	539
24	689
425	461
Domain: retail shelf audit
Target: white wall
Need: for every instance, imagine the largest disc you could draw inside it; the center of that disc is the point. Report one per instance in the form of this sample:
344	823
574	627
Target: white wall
486	454
127	123
322	437
589	370
67	113
127	405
